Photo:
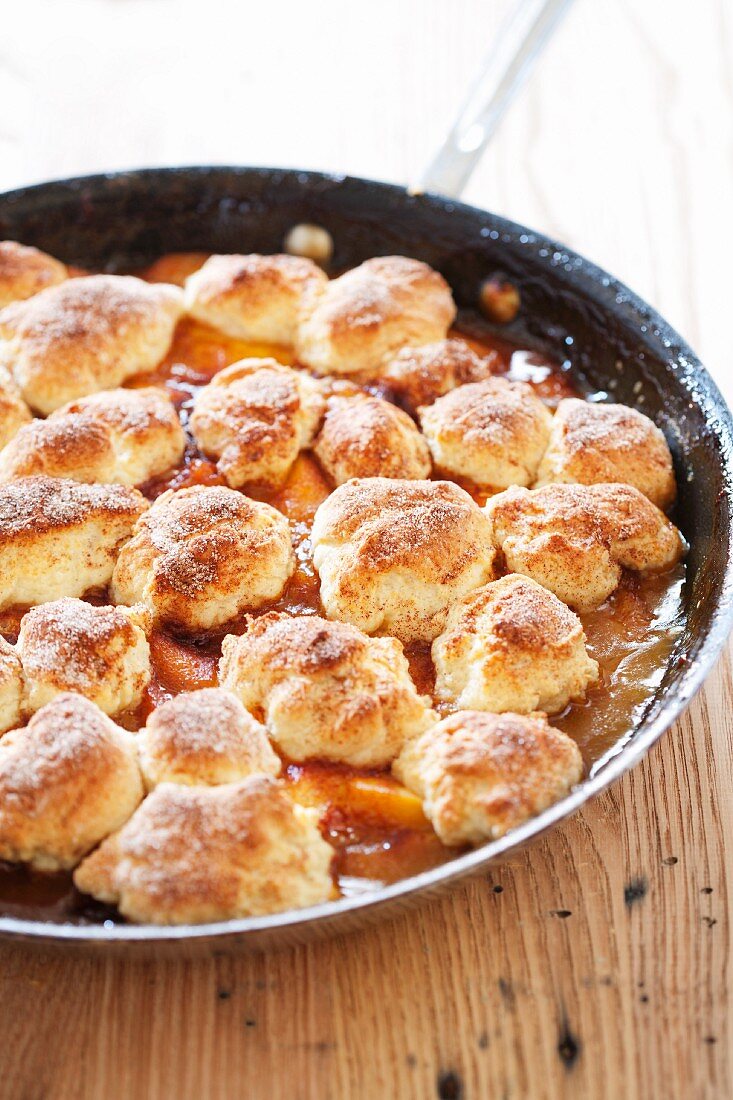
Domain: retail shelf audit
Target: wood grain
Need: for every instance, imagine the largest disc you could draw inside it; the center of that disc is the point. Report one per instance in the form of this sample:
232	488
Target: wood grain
599	963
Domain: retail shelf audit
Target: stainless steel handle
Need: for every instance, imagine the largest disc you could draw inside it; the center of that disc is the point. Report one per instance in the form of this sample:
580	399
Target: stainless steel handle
509	62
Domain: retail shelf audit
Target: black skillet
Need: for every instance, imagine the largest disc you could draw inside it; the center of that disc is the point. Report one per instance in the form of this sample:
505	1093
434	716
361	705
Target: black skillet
571	311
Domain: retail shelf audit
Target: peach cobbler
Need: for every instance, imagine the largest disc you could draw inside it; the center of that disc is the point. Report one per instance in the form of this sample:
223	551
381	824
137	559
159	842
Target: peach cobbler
304	585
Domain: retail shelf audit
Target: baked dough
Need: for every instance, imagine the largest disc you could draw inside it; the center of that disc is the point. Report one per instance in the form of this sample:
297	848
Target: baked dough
14	412
491	433
67	779
253	297
324	689
203	555
575	539
25	270
99	652
255	417
368	437
592	443
362	318
512	646
120	436
480	774
59	537
393	555
204	737
195	854
86	335
420	375
11	686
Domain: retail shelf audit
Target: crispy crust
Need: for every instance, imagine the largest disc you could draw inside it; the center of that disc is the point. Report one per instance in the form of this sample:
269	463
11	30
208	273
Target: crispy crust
24	271
575	539
196	854
86	335
59	537
368	437
76	447
393	555
203	555
253	297
204	737
593	444
121	436
512	646
361	319
481	774
67	779
420	375
492	433
11	686
98	652
14	412
324	689
254	418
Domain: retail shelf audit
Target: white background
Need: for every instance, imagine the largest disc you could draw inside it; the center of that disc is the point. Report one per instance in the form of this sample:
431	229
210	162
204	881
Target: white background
622	146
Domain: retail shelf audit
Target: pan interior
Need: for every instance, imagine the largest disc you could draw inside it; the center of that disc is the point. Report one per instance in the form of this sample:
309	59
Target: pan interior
571	311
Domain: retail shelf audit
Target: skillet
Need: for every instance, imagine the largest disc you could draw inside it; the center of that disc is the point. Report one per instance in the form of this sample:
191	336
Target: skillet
608	338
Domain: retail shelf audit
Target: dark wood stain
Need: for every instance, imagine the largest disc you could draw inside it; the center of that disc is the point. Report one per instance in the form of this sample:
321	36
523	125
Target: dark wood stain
507	992
450	1086
568	1046
635	890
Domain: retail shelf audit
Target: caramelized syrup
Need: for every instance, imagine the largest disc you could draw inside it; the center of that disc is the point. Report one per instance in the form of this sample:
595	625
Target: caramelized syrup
377	827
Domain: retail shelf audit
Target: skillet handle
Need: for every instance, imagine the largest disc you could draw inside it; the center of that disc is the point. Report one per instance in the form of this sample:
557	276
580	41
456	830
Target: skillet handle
518	45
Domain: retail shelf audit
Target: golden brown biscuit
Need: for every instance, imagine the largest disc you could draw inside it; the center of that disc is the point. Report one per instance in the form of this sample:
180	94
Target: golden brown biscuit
203	555
76	447
512	646
14	412
86	335
120	436
481	774
593	444
575	539
393	555
324	689
196	854
144	428
368	437
362	318
11	686
420	375
59	537
98	652
255	417
491	433
253	297
25	270
204	737
67	779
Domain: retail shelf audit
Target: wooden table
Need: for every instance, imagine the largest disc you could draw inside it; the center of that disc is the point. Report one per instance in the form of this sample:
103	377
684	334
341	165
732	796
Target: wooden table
599	964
